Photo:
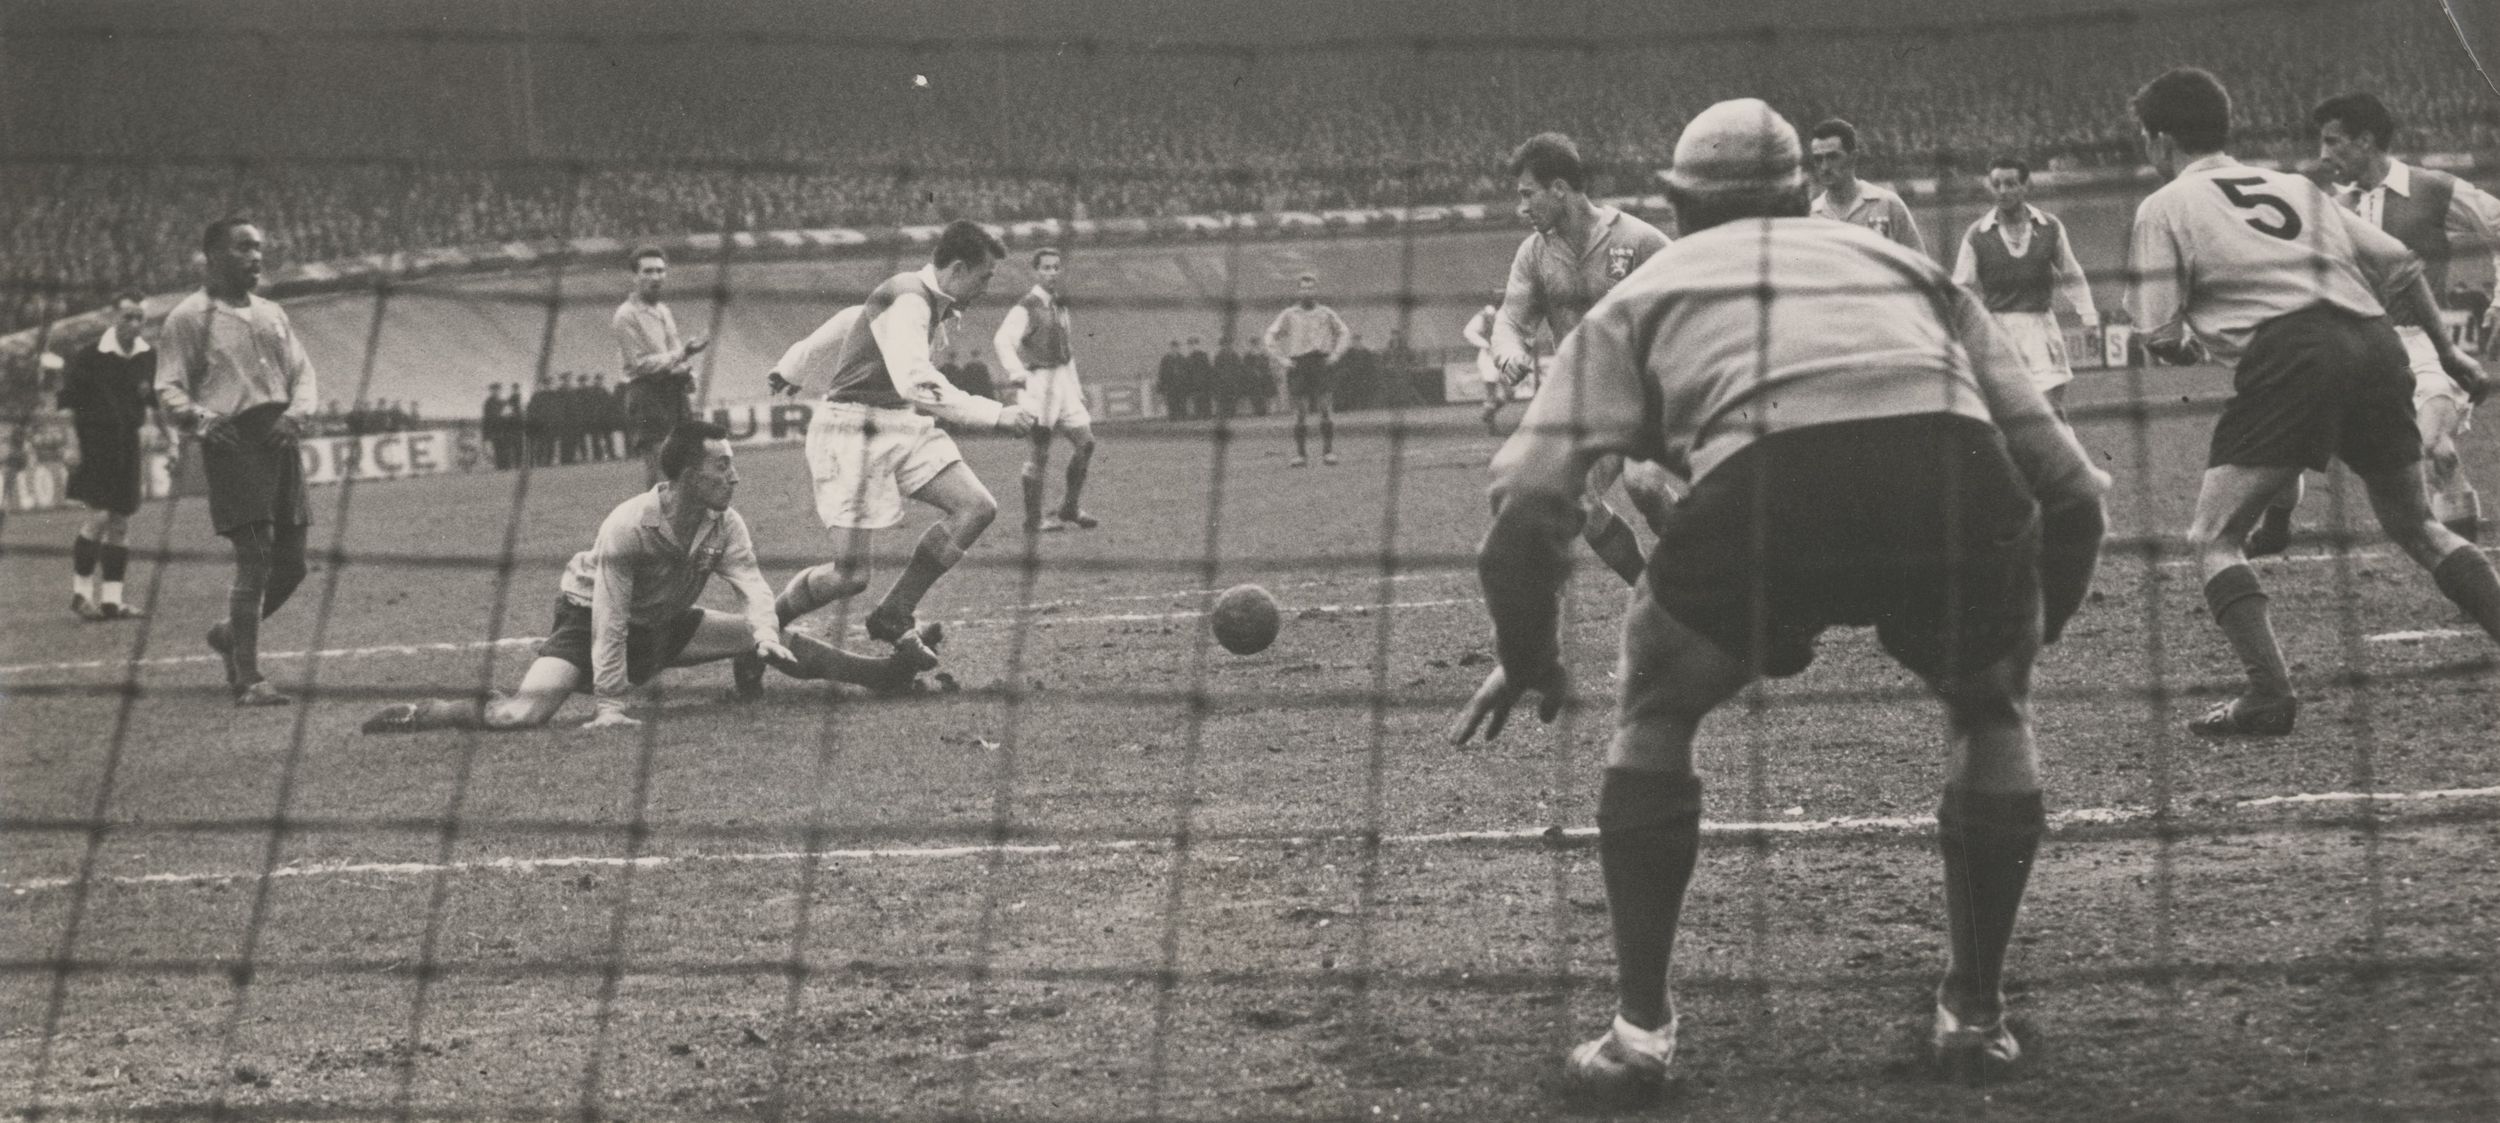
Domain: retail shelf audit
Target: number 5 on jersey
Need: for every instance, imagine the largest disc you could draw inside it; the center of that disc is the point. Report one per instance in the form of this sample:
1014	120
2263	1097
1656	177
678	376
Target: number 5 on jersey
2236	190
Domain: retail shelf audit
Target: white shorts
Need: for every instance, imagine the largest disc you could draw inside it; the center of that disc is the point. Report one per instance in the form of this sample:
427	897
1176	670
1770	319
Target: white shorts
866	461
1053	397
2430	380
2041	344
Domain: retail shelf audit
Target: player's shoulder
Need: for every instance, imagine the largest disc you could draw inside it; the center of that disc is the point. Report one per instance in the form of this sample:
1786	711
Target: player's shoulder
189	309
267	309
624	518
1638	230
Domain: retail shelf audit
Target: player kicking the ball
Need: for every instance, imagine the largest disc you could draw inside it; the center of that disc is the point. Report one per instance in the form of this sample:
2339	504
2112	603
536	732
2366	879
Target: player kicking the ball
626	606
1912	479
875	440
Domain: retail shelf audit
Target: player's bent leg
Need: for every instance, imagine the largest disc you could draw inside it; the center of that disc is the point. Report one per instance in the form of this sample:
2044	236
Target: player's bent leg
719	636
819	585
2229	500
969	509
1327	426
542	692
1649	834
544	687
2460	570
1988	829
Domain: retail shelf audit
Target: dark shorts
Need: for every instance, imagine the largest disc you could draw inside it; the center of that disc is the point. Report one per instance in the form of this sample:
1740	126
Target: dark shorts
646	649
1920	526
1310	376
2317	384
257	482
109	462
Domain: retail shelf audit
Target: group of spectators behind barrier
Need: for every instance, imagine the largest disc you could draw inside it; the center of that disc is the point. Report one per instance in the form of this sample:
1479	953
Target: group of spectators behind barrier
1191	383
1011	134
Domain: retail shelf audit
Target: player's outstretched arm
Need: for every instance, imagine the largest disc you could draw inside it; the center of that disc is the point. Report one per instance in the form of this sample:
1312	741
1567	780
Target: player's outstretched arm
902	335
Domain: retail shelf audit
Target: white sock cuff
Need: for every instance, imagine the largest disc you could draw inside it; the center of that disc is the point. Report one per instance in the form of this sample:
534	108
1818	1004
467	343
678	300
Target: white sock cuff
111	593
1654	1043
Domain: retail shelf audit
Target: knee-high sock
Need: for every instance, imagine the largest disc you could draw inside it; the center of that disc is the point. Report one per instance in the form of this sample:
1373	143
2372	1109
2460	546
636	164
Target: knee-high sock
816	659
1988	840
813	588
113	565
1648	834
1079	466
252	546
2466	577
2455	500
1301	434
82	560
1327	432
1033	495
2239	606
286	566
1615	543
930	559
450	713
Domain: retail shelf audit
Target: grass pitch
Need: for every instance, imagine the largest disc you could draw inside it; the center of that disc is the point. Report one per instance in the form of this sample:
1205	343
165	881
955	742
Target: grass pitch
1123	874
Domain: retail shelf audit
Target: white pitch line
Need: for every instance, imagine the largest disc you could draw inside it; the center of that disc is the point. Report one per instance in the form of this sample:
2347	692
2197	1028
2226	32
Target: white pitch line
2416	637
1034	618
2090	816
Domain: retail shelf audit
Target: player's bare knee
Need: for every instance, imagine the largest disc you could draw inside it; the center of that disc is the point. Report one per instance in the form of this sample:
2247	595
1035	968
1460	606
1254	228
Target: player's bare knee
966	521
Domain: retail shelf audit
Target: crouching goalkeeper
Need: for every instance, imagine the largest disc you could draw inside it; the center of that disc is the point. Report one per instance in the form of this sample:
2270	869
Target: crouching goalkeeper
627	607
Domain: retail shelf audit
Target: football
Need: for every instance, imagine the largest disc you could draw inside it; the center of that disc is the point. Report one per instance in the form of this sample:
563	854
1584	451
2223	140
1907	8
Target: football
1245	619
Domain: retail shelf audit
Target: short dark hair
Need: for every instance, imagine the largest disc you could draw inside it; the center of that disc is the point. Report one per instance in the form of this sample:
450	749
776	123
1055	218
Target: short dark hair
1696	211
2188	105
2021	166
214	238
684	447
966	240
2363	114
634	264
1045	251
1548	157
1834	126
132	295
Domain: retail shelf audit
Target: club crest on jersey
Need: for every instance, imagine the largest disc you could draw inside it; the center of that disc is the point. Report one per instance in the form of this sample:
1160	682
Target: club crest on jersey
1618	263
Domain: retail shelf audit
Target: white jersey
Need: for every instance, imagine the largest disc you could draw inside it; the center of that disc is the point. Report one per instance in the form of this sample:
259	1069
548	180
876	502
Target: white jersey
810	363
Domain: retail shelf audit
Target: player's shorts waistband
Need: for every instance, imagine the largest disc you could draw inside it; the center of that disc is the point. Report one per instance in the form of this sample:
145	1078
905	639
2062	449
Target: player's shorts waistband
859	415
2311	313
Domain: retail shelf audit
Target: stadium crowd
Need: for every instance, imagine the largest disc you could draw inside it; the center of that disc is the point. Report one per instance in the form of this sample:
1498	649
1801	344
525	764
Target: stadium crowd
1011	134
